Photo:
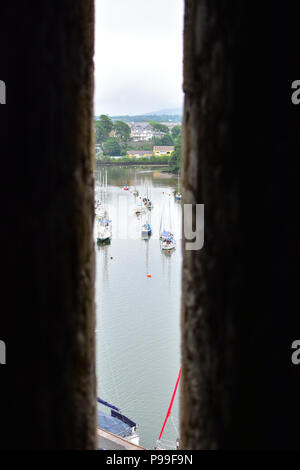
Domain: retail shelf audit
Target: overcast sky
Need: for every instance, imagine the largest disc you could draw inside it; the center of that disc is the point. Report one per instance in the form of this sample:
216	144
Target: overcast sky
138	56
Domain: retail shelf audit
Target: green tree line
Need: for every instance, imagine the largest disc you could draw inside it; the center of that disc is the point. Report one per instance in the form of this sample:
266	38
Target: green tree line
118	142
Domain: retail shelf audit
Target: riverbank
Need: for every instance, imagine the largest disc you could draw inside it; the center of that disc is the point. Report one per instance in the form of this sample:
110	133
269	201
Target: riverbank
135	163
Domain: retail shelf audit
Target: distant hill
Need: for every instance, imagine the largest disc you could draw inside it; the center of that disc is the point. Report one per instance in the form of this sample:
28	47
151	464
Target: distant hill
149	117
169	111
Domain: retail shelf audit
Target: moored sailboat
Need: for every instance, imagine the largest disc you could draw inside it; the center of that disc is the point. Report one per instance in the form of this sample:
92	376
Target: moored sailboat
178	194
165	232
146	230
167	242
104	224
104	229
139	209
147	201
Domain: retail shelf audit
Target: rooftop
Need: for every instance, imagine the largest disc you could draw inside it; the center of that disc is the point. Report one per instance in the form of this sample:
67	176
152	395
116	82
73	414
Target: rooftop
163	148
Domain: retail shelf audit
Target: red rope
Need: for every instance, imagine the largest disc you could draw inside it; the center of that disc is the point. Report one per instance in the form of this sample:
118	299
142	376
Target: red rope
170	406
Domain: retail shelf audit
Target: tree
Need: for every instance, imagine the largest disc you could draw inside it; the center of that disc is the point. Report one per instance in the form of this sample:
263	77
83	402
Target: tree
104	126
107	123
176	131
122	131
159	127
175	159
111	147
165	140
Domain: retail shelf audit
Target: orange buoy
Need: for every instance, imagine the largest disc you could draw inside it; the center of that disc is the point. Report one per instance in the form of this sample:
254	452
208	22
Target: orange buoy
148	275
169	251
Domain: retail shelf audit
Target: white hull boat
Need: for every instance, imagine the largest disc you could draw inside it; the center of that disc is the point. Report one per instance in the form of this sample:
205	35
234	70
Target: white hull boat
168	244
104	232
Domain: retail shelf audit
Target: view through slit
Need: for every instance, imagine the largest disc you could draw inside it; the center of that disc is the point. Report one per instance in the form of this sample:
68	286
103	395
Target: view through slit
138	221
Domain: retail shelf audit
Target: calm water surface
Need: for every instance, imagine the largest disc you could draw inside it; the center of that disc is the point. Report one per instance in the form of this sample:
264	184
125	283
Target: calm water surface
138	318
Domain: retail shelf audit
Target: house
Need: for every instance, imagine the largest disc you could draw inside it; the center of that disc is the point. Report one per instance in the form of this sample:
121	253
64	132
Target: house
141	131
139	153
162	150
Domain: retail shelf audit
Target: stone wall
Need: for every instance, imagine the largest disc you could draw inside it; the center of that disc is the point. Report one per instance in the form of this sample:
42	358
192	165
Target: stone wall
239	389
48	393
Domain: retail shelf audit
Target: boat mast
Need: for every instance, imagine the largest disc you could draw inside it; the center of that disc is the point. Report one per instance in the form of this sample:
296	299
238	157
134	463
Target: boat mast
170	218
170	406
105	192
161	216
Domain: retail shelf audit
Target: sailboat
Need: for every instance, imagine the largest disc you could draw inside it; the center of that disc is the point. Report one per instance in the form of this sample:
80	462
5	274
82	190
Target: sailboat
99	211
139	208
147	201
104	224
168	243
104	229
146	230
178	195
165	233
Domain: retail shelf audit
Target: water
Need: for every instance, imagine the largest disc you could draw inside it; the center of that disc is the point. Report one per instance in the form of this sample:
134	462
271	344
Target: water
138	318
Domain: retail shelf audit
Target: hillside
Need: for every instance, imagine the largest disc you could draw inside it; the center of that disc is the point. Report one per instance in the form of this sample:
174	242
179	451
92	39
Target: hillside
149	117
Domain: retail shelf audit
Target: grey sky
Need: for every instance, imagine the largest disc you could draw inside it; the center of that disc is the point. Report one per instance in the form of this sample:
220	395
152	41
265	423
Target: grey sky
138	56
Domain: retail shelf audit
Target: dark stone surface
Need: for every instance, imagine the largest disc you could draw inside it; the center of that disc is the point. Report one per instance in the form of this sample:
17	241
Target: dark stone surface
47	392
240	296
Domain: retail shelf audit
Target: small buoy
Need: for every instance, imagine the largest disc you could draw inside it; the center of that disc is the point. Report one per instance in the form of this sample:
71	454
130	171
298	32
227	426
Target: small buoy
111	257
148	275
169	251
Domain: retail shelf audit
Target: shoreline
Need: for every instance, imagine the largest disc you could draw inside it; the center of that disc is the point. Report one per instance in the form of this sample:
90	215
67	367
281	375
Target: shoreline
130	164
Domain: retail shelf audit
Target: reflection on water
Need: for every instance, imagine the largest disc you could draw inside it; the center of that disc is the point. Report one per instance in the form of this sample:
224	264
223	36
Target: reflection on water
138	344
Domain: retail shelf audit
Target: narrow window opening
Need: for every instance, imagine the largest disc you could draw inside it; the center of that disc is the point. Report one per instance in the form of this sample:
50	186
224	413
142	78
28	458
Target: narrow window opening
138	217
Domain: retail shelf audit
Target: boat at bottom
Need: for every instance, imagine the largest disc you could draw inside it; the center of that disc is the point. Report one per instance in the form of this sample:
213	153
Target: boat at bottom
115	431
164	444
